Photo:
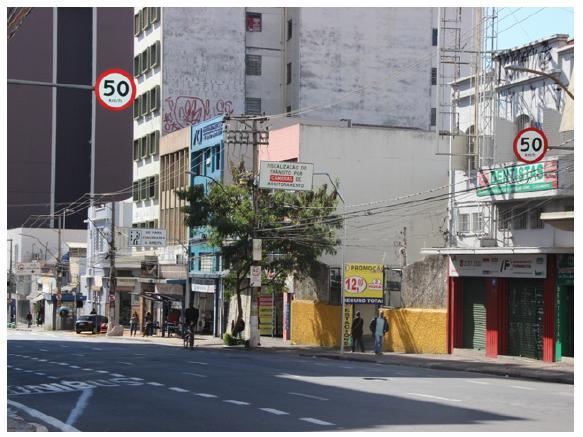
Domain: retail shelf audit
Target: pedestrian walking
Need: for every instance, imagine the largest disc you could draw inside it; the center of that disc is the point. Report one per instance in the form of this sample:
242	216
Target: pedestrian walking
379	326
29	319
149	324
356	332
134	322
191	315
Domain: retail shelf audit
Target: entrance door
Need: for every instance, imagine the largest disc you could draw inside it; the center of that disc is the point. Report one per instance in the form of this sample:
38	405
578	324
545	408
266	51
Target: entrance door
526	317
568	344
474	320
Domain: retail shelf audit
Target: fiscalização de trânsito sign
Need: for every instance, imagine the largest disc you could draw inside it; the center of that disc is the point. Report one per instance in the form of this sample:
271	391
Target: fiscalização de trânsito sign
518	178
363	283
291	176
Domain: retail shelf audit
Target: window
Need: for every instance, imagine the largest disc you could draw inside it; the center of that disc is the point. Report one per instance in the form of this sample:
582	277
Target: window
519	218
144	61
154	94
145	18
145	146
151	187
196	160
434	36
504	217
433	76
154	15
253	106
143	189
522	122
154	142
137	147
472	150
289	29
253	65
463	223
136	191
145	103
535	221
217	156
288	73
253	22
156	190
137	65
137	23
206	262
154	54
433	116
137	106
334	286
288	110
477	222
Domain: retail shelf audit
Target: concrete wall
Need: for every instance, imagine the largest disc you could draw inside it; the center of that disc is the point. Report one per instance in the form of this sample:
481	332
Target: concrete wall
419	331
424	283
315	324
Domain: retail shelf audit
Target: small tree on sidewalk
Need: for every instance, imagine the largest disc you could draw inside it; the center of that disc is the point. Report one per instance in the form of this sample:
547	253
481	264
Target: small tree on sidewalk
296	228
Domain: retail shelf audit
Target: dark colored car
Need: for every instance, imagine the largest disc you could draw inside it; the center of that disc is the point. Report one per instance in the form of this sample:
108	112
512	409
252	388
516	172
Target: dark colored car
92	322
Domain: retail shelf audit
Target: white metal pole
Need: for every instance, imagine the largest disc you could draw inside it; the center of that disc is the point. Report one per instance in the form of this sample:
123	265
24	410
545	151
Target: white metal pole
93	78
54	118
342	282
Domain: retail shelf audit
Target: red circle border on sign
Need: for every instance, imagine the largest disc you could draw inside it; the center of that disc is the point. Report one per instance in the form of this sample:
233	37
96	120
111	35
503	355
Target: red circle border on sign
545	145
123	73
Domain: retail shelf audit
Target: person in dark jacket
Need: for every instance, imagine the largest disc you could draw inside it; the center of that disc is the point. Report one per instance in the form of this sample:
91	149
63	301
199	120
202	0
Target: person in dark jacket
379	326
356	332
29	319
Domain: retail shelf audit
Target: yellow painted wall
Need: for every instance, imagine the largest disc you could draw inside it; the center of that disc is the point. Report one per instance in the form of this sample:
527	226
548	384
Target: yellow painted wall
315	324
412	330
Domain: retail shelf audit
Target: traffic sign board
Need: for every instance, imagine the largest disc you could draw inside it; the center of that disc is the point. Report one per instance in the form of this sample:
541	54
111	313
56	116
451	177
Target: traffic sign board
115	89
530	145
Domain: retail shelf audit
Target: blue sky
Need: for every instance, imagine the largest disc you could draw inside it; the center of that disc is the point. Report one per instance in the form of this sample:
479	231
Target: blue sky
536	25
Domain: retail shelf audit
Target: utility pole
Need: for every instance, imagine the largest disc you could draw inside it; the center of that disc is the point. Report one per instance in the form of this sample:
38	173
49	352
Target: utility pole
404	246
10	282
58	270
112	272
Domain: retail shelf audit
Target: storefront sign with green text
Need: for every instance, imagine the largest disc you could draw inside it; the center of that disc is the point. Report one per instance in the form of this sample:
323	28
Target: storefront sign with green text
518	178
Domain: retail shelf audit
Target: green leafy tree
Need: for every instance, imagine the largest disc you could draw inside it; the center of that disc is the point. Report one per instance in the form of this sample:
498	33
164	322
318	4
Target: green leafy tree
296	228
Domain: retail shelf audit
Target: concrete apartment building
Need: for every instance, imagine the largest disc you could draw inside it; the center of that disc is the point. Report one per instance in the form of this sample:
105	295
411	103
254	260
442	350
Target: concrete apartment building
511	254
55	45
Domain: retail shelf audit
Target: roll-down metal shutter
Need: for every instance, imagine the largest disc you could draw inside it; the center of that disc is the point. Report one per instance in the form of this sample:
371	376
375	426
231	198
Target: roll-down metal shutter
526	318
474	313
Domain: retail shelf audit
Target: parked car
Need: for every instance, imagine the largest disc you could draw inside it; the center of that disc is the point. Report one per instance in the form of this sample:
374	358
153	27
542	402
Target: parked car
92	322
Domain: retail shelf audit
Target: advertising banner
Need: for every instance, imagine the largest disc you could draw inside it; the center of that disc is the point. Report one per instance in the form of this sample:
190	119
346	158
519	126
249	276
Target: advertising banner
513	178
501	266
363	283
347	325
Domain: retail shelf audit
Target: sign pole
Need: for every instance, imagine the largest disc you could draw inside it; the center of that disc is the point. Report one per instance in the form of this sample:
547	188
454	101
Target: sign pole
342	277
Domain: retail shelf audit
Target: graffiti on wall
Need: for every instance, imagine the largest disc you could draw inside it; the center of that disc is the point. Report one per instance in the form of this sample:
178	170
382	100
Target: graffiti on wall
184	111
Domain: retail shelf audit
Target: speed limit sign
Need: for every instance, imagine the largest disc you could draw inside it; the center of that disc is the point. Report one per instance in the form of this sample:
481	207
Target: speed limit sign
530	145
115	89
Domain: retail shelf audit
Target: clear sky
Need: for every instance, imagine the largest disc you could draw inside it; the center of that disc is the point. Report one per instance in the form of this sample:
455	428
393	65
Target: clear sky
536	25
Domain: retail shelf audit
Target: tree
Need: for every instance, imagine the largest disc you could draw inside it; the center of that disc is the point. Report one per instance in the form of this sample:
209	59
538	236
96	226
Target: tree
296	228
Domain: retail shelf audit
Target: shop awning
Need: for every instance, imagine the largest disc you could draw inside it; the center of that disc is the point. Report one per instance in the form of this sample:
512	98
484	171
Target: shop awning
494	250
564	220
160	297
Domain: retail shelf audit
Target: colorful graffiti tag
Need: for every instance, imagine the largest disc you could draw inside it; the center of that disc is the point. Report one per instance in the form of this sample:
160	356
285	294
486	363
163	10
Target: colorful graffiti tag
184	111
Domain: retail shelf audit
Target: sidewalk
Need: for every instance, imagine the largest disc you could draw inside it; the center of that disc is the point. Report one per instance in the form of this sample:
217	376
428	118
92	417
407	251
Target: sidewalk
460	360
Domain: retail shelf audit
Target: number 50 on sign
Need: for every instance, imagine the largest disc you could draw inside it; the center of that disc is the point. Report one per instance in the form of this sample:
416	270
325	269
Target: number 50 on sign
115	89
530	145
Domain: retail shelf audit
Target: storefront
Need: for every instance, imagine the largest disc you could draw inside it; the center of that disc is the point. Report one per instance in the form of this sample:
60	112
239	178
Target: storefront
203	296
565	306
506	304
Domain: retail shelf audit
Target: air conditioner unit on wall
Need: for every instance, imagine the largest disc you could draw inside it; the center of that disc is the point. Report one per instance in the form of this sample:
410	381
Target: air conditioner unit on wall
488	242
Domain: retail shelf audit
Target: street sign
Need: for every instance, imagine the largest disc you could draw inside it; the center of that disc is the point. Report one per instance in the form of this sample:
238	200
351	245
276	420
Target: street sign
255	276
530	145
115	89
144	237
291	176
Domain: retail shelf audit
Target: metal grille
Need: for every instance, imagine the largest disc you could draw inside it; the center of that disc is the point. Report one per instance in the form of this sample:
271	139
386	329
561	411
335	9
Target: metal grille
253	106
253	65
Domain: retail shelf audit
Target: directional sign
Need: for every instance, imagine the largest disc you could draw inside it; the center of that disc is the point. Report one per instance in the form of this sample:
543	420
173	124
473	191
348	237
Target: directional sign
115	89
530	145
144	237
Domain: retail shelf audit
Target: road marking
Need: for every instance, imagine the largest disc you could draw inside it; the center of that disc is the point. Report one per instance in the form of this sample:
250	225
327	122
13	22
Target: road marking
102	371
205	395
63	364
308	396
346	367
198	362
316	421
477	382
194	374
521	387
64	346
78	355
136	379
126	363
88	370
155	384
17	368
434	397
43	360
274	411
28	371
232	401
178	389
47	419
80	406
96	349
53	362
74	367
40	374
139	354
52	377
119	375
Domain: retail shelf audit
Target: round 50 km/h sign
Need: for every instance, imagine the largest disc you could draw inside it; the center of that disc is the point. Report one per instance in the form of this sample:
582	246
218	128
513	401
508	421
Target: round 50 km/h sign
530	145
115	89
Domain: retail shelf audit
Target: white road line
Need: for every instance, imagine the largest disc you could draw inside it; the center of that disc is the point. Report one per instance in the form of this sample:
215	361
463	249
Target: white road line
74	367
274	411
102	371
78	355
79	407
43	360
88	370
155	384
198	362
316	421
63	364
346	367
205	395
28	371
308	396
64	346
47	419
434	397
96	349
136	379
126	363
118	375
178	389
139	354
521	387
17	368
232	401
52	377
40	373
44	350
194	374
320	364
477	382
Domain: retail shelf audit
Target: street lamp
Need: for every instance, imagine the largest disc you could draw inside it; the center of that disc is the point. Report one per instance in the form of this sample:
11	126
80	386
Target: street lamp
542	73
342	267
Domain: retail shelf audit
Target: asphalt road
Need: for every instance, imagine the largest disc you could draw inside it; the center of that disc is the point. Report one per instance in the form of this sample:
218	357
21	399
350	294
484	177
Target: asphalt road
93	383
